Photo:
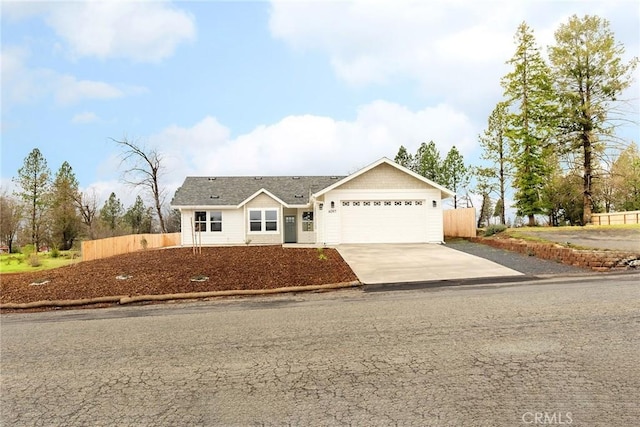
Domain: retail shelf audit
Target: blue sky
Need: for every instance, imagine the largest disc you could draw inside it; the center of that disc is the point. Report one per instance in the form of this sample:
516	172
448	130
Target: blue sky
264	88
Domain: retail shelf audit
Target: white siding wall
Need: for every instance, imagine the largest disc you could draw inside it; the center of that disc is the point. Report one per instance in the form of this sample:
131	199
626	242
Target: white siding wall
232	228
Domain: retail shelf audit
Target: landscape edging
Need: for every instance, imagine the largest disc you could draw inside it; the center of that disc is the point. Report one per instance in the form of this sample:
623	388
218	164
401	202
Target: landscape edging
597	260
123	299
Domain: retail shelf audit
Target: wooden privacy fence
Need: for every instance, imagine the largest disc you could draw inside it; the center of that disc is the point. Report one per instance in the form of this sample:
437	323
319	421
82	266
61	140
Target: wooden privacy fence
615	218
103	248
460	222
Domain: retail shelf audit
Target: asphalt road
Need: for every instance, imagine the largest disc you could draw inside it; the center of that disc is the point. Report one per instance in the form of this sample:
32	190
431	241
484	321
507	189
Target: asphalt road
560	351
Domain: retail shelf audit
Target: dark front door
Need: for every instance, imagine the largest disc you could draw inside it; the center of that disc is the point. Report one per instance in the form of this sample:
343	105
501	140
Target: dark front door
290	234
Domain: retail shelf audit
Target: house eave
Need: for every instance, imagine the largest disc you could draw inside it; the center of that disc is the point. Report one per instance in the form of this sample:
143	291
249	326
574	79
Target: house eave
202	207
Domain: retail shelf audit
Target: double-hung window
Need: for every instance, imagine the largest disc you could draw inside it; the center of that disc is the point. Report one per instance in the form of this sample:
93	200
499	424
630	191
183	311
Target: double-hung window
200	221
215	219
263	220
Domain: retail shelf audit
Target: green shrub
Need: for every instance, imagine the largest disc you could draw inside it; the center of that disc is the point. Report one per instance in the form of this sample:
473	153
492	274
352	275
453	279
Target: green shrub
27	250
494	229
54	252
34	260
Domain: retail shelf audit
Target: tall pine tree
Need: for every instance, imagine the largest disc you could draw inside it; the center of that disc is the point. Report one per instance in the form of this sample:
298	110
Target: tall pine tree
65	221
34	180
454	175
529	95
496	149
589	76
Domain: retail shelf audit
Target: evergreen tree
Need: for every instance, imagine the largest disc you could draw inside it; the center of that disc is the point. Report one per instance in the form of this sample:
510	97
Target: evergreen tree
625	176
136	217
528	91
34	179
589	77
427	162
454	174
485	186
111	213
403	158
64	215
496	149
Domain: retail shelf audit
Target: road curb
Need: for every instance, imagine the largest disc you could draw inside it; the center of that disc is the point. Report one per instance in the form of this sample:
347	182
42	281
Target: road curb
123	299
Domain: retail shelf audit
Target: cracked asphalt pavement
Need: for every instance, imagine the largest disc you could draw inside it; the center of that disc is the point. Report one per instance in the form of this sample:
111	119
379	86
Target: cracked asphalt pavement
557	350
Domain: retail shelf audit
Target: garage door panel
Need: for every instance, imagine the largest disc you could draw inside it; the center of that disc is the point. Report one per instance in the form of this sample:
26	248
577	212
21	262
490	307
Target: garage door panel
384	221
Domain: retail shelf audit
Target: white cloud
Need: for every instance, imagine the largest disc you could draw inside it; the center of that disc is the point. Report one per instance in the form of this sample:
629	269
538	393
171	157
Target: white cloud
141	31
24	84
85	117
20	84
310	145
69	90
454	50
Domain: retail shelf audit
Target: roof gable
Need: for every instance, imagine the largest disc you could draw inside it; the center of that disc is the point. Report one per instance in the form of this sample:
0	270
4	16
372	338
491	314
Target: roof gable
385	162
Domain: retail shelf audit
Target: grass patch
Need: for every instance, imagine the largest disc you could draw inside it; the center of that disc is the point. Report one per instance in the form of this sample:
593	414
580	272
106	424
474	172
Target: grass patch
18	263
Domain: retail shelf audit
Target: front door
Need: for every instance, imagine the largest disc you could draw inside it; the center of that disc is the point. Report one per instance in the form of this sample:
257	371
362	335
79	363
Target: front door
290	230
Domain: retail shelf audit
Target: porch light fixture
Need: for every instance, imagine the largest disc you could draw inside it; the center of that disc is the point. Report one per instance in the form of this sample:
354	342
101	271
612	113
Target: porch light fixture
434	203
333	205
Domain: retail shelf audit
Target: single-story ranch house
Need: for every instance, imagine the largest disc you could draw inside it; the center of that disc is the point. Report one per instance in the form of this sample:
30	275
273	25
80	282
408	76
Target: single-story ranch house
381	203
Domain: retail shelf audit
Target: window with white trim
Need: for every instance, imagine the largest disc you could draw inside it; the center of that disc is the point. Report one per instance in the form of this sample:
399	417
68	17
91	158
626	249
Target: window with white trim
307	221
215	219
263	220
200	221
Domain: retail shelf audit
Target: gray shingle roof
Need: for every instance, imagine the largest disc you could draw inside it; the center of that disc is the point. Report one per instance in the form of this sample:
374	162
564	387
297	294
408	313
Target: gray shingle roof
233	190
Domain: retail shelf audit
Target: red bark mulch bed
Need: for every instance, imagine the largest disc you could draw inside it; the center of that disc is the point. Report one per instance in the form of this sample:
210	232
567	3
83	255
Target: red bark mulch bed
169	271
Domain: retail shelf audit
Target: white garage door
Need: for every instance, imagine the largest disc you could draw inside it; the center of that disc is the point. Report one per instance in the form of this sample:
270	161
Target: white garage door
384	221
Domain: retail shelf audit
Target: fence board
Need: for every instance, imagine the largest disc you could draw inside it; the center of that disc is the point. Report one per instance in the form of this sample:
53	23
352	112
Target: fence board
459	222
616	218
103	248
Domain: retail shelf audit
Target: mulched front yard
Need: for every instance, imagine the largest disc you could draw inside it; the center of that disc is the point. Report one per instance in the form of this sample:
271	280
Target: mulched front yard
169	271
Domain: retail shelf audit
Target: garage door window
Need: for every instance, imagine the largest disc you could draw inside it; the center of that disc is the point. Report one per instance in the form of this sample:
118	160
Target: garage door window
377	203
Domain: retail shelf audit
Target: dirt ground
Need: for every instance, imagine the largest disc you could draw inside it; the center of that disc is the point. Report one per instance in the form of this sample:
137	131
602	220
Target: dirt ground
167	271
619	239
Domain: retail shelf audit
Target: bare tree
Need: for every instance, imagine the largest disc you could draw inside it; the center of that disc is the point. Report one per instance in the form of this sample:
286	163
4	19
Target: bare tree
87	205
11	214
143	169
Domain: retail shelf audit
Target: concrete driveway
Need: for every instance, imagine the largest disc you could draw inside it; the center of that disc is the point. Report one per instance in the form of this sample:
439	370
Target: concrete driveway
421	262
